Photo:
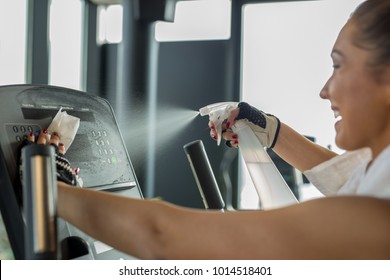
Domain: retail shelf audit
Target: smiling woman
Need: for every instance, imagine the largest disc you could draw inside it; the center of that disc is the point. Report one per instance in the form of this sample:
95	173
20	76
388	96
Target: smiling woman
360	83
284	66
359	93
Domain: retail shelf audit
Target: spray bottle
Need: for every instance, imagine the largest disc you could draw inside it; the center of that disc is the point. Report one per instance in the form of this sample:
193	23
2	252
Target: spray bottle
271	188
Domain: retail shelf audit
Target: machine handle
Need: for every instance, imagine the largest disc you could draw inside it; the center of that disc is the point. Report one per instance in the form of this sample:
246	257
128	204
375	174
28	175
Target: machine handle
204	175
40	202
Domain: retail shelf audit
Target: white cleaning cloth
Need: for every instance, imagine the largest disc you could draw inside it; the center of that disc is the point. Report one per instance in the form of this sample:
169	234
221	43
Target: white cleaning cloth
66	126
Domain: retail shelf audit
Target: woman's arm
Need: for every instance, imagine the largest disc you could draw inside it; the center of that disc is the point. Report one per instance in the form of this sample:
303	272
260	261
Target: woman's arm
293	147
327	228
299	151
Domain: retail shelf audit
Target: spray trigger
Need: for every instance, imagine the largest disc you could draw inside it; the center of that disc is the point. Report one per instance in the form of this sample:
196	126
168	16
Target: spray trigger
218	114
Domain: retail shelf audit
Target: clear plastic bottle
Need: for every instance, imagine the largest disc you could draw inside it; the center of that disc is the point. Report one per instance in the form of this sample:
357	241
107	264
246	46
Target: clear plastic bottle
271	188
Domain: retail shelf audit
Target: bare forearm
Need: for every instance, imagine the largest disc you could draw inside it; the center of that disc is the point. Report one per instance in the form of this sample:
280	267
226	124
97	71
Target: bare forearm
299	151
111	219
319	229
150	229
144	229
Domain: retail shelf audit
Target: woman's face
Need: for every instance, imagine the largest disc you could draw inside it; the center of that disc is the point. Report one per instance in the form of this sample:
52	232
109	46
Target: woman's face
359	101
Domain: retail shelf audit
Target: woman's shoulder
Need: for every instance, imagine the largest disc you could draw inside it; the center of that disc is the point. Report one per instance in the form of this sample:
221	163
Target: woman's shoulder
377	178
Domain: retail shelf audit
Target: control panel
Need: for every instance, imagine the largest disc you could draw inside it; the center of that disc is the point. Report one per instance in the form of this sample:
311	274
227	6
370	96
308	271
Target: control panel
98	149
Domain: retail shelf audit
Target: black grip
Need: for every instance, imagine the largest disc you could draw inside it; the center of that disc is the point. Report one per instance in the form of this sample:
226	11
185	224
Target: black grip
204	175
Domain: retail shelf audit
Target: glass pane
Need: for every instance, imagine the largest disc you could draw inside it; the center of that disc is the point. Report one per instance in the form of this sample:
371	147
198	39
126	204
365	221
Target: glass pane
12	41
197	20
110	24
12	69
65	27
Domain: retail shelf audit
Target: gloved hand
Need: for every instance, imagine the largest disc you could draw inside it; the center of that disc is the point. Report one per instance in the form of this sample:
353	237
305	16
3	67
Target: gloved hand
265	126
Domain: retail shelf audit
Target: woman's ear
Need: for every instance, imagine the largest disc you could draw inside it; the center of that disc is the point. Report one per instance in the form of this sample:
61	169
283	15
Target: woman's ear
388	87
386	81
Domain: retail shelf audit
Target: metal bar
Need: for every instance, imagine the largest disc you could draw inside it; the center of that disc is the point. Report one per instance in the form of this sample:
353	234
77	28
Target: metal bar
39	198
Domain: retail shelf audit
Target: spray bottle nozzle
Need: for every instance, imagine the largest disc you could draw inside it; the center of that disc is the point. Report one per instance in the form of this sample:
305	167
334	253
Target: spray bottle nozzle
207	110
218	113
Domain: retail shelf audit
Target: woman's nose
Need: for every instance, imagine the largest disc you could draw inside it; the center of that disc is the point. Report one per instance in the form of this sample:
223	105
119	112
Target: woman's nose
324	93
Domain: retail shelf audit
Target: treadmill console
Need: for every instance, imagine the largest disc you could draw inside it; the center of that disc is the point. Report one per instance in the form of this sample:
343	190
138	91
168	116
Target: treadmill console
98	148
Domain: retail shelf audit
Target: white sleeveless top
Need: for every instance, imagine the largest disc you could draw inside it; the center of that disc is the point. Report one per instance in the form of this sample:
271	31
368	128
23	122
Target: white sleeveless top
347	174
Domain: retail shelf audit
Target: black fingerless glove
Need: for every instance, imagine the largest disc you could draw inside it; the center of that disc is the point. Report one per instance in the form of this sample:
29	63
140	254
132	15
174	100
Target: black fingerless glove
265	126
